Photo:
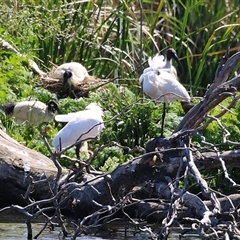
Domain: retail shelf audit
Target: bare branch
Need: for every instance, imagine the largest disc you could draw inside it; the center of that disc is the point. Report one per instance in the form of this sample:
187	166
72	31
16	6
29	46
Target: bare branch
215	95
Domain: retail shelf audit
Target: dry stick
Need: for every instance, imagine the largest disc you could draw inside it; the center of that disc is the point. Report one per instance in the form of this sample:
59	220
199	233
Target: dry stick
56	185
226	175
225	110
113	143
121	205
167	222
94	215
203	184
214	95
49	220
197	176
110	210
32	183
172	212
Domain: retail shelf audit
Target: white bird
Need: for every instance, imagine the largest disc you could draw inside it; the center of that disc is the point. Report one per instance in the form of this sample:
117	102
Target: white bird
31	112
159	82
72	73
82	126
165	63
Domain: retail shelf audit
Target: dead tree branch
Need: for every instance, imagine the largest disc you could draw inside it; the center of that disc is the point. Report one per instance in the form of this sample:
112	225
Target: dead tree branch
217	92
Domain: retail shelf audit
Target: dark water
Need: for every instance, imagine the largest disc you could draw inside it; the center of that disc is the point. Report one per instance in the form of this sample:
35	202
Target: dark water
12	227
18	231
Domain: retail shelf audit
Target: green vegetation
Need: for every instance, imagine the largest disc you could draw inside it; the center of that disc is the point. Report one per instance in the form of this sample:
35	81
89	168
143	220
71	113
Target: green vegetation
106	38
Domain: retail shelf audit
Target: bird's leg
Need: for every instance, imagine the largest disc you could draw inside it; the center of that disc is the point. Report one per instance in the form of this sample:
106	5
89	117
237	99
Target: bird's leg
77	150
73	93
163	117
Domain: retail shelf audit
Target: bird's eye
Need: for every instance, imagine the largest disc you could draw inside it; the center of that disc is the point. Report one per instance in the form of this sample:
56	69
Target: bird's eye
157	72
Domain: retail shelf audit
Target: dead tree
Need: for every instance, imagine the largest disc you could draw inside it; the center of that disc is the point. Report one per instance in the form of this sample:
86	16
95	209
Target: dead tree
154	186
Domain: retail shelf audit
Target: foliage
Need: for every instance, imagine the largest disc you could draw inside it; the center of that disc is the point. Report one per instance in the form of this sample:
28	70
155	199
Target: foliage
229	125
109	159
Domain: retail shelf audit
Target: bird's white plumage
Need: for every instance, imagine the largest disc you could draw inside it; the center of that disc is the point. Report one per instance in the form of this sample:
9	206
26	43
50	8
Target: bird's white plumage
161	62
31	113
83	125
79	72
66	117
69	116
160	83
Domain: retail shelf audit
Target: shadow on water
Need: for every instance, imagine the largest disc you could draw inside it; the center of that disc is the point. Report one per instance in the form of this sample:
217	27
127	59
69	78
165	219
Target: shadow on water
12	227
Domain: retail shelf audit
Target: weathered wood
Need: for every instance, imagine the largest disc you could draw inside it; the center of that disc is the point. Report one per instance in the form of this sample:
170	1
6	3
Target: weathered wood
14	157
218	91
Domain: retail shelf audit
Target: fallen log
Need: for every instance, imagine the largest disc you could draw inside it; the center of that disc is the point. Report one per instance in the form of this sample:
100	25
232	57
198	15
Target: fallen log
16	163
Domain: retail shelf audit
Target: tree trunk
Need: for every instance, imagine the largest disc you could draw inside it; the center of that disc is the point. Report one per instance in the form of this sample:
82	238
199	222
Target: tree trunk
14	181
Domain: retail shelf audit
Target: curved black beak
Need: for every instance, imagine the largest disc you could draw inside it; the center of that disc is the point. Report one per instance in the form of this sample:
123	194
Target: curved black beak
171	54
67	74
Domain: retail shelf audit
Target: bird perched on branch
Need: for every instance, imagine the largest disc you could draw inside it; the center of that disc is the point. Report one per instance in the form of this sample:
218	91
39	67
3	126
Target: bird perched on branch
31	112
159	81
82	126
72	73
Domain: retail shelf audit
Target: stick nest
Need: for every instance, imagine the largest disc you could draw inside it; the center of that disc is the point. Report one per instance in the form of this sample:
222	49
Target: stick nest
56	86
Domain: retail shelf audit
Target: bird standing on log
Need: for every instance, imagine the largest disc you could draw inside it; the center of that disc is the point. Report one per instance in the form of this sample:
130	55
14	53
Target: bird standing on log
159	81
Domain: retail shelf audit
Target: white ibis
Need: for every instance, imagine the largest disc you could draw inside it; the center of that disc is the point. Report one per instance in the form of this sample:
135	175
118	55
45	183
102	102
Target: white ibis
72	73
159	82
82	126
31	112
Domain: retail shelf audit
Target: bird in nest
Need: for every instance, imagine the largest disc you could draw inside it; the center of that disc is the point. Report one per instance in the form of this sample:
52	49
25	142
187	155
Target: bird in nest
72	73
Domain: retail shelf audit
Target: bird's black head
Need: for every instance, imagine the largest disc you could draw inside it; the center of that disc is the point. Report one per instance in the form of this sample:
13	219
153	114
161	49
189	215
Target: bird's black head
172	54
67	74
53	106
8	108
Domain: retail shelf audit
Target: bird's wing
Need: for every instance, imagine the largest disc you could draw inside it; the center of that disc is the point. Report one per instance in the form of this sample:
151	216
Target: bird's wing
78	70
151	85
91	110
31	112
65	137
67	117
78	128
172	70
171	88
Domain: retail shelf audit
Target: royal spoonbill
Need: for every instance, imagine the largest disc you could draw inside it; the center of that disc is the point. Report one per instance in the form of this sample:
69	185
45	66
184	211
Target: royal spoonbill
81	126
165	63
159	82
31	112
72	73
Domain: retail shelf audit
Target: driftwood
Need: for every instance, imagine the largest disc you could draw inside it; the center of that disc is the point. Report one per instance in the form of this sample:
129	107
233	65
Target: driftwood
16	162
151	188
